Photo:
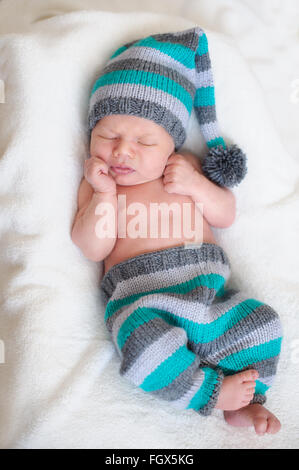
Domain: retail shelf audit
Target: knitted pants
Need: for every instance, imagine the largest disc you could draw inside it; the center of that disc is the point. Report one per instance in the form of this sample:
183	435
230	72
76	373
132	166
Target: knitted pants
179	330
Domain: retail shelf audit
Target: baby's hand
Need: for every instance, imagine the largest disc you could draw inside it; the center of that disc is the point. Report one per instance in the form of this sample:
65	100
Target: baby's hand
96	173
179	175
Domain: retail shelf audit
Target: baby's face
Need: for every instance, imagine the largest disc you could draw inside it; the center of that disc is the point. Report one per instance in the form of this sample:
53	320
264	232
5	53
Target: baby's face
133	142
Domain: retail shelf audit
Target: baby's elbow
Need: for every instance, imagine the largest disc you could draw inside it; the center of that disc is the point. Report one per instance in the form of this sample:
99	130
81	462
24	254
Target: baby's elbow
230	213
228	221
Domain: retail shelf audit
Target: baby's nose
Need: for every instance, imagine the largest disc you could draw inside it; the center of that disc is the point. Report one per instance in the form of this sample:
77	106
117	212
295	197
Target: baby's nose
123	150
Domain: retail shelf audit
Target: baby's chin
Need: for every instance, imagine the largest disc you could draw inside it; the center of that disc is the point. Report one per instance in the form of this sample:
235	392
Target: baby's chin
133	179
138	183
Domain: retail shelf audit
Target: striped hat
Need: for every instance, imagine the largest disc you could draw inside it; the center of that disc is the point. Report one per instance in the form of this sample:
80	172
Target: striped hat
161	77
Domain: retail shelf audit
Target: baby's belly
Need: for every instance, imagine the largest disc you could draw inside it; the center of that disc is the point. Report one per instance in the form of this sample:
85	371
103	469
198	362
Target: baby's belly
145	228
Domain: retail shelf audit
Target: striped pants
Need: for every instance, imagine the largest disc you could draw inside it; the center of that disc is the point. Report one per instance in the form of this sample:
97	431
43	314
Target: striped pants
179	331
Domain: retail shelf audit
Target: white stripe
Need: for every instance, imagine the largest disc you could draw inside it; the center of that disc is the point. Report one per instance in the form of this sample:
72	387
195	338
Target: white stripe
157	57
155	354
210	130
146	93
249	341
183	402
192	311
167	278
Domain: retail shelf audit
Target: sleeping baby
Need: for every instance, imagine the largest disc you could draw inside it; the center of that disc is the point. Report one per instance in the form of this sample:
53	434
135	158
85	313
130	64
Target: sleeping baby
181	334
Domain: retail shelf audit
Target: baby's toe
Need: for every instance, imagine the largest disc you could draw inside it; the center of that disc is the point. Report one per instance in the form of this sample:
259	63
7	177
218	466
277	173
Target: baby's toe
248	375
260	426
273	425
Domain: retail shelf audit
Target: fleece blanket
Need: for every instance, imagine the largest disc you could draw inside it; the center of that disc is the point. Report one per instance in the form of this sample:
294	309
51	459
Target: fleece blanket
59	380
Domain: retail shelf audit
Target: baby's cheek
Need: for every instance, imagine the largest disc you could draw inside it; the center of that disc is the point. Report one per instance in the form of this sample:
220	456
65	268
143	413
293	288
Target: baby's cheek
99	150
157	164
156	169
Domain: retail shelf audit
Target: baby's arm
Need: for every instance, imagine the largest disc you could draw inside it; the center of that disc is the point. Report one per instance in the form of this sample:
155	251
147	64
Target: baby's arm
219	204
84	226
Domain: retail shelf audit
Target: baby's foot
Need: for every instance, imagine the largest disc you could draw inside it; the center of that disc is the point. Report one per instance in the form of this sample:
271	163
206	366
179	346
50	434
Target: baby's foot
237	390
254	415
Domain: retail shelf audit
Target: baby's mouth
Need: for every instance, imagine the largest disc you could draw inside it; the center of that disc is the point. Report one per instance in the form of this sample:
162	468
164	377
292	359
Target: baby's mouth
121	170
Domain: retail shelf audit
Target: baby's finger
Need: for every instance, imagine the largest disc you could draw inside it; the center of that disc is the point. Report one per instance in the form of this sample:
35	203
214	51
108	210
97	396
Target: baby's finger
166	171
170	188
166	179
102	170
169	178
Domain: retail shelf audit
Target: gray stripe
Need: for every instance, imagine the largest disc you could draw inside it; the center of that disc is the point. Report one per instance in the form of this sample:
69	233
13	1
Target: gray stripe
159	260
226	296
208	408
151	67
191	306
258	398
157	352
205	114
220	308
267	370
194	310
198	380
200	78
260	318
215	351
130	106
188	38
145	282
159	301
185	385
129	44
132	92
149	54
141	338
202	62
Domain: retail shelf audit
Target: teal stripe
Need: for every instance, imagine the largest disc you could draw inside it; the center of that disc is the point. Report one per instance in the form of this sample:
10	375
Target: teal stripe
221	292
179	52
118	51
206	332
203	45
137	318
246	357
169	370
260	388
154	80
202	397
197	332
204	96
212	281
215	142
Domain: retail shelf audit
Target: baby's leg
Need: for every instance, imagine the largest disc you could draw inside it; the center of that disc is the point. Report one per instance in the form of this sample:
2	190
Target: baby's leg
153	301
251	339
244	334
179	334
156	358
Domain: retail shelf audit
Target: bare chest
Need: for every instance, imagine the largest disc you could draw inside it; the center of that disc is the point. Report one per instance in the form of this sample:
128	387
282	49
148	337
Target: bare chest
151	219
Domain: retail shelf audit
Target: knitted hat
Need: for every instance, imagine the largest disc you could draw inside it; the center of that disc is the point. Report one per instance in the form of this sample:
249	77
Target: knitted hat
161	77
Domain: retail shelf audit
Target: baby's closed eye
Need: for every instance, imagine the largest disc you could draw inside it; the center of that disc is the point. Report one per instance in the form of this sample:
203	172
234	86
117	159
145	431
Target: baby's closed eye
146	143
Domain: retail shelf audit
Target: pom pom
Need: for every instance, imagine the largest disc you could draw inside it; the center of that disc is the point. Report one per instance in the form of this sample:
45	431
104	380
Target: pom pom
226	167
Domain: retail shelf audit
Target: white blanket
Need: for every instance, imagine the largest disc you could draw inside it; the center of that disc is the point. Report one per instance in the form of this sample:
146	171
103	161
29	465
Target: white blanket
59	381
